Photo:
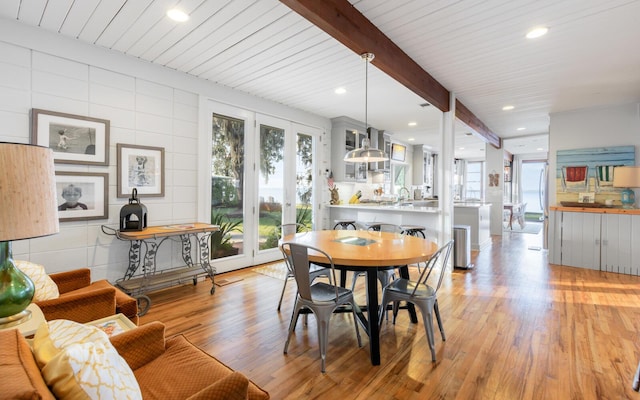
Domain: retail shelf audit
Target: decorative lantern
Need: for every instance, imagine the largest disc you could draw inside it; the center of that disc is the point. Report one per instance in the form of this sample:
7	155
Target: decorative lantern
133	216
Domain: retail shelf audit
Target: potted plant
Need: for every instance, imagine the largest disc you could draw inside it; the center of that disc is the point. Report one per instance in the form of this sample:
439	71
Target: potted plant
221	245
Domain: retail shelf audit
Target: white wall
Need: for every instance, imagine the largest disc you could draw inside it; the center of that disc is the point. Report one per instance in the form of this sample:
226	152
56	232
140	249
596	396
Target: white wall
146	105
617	125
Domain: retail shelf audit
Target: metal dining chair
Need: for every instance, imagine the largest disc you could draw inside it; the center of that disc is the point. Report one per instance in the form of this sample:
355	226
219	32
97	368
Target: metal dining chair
421	294
315	271
384	276
320	297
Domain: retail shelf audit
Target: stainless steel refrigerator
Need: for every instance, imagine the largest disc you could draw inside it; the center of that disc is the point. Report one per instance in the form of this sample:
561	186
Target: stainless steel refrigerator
543	192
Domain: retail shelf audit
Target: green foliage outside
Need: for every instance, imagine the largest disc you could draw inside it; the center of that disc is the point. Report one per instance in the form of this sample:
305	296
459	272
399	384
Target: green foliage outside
221	244
303	217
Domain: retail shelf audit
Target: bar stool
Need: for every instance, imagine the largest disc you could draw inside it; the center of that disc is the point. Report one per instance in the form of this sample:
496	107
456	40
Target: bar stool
413	230
345	224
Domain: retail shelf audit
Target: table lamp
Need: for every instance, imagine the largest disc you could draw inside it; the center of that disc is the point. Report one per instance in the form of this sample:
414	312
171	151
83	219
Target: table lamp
627	178
28	209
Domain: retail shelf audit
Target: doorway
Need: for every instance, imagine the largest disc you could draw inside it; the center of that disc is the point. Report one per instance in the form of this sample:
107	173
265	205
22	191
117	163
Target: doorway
262	175
533	189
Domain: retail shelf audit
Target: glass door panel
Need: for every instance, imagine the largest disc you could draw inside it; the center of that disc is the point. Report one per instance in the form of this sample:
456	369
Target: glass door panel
227	185
304	180
270	185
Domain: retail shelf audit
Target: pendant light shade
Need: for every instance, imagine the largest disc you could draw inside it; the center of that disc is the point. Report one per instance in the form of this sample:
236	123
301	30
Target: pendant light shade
365	153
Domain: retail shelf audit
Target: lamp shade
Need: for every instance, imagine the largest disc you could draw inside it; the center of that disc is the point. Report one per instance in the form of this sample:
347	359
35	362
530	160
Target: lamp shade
626	177
28	206
365	154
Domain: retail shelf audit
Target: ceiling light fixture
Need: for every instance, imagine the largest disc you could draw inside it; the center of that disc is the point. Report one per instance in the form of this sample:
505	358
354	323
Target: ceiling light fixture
177	15
507	108
365	153
521	128
412	123
411	139
537	32
340	90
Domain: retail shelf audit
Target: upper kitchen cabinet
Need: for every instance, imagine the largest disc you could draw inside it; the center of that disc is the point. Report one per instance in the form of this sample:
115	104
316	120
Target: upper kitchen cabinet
346	135
382	141
423	168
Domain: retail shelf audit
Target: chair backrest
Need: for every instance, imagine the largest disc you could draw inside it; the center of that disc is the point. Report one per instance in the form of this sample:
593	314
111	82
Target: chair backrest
439	259
290	229
299	257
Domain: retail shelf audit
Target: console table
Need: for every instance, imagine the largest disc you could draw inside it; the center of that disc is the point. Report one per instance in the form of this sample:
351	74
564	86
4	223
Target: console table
144	246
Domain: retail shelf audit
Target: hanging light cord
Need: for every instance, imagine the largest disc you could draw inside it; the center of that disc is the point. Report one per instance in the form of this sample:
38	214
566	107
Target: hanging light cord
367	57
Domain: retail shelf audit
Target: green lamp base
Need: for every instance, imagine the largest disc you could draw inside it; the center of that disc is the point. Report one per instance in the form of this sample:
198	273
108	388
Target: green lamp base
15	319
16	289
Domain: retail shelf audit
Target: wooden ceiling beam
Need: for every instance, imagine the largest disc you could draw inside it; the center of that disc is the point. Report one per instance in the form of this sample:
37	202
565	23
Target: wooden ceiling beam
346	24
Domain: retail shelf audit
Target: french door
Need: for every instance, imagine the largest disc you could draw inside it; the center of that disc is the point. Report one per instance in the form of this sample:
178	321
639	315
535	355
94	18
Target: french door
262	175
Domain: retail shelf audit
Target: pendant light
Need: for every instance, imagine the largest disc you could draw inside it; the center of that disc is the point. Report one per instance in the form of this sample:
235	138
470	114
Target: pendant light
365	153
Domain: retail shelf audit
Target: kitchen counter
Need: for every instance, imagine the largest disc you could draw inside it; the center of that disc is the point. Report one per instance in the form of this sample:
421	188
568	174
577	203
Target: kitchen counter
406	214
404	207
475	214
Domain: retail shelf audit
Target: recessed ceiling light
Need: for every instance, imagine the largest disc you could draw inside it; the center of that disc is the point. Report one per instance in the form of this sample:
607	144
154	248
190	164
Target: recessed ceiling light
413	123
521	128
460	148
177	15
340	90
539	149
507	108
537	32
411	139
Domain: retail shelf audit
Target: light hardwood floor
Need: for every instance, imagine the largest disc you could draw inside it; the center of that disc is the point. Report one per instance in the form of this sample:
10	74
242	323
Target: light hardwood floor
517	328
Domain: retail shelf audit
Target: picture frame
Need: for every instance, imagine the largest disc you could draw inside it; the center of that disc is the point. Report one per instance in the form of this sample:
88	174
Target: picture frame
507	173
140	168
74	139
82	196
398	152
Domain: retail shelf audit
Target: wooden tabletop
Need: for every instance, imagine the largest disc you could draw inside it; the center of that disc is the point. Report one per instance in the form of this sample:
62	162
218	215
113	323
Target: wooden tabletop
366	248
168	230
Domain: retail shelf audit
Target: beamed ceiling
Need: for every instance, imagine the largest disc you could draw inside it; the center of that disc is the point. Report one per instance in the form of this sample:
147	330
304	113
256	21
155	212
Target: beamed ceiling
475	49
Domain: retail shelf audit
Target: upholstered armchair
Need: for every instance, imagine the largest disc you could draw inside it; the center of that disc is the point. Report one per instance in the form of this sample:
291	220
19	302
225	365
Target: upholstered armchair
82	301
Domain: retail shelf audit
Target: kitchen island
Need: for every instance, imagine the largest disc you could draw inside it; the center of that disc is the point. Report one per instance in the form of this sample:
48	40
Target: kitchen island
426	213
408	213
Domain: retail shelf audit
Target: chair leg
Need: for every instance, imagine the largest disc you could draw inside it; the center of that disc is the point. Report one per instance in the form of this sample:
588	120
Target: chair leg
383	307
282	294
636	380
292	325
323	337
427	319
437	311
354	306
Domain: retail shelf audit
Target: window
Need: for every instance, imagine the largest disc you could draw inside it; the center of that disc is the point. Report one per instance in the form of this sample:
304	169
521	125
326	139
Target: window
474	188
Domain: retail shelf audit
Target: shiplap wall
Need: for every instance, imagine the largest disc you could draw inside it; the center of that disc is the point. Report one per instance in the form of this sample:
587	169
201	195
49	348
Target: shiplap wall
140	112
146	105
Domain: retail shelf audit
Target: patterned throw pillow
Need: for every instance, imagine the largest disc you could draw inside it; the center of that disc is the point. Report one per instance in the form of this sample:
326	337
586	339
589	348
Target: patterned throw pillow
46	288
78	361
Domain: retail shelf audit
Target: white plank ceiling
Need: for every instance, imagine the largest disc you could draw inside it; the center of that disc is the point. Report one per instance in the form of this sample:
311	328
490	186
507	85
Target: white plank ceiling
475	48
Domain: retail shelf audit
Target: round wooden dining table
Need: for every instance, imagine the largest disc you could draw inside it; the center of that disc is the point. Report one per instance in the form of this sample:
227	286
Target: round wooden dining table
371	252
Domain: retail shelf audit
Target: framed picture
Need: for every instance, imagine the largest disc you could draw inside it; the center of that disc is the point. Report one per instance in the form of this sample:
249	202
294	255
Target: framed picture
140	168
507	173
82	195
398	152
74	139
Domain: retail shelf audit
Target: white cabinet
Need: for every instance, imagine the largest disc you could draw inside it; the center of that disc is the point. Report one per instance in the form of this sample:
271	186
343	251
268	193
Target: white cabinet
580	240
599	241
346	135
478	217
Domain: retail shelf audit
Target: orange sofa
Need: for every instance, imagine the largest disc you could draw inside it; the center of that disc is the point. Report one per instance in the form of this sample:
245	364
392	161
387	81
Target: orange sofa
82	300
171	368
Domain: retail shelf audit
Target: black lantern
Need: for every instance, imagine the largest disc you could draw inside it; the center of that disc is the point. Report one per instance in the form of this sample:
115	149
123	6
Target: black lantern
133	216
